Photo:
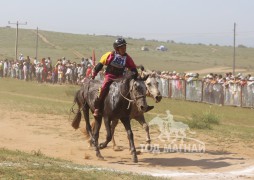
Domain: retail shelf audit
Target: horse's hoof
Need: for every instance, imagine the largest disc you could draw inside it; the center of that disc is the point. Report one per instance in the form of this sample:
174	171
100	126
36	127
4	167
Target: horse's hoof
135	159
138	152
100	157
102	146
148	141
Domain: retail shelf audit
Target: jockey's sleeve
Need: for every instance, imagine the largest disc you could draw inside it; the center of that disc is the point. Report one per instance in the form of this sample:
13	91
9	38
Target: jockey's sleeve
97	68
130	63
106	58
103	61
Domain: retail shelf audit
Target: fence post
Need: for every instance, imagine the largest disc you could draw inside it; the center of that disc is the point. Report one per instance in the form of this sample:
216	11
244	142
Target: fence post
185	89
169	89
202	91
241	94
223	95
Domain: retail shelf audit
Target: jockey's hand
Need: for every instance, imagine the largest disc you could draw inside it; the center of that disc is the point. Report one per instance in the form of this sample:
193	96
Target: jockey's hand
93	77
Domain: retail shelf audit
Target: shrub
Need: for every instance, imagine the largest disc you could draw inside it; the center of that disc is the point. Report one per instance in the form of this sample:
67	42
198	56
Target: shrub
203	120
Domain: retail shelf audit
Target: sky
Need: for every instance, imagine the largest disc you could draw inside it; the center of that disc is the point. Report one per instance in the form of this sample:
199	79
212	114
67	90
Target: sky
181	21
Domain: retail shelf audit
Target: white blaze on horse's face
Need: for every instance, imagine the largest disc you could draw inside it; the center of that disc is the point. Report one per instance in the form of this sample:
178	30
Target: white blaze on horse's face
138	94
152	86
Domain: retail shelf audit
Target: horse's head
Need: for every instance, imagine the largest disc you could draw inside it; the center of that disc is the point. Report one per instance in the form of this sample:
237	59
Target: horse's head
138	94
152	86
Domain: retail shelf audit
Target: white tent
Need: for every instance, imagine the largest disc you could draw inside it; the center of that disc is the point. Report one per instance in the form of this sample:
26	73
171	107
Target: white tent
161	48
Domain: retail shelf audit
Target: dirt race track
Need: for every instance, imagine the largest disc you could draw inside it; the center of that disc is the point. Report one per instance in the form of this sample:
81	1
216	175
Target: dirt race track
54	137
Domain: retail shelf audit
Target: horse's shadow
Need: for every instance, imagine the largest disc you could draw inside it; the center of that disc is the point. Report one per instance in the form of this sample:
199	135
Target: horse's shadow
211	163
218	152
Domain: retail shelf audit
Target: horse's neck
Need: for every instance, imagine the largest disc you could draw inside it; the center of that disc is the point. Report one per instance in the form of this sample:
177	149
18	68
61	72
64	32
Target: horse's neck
125	87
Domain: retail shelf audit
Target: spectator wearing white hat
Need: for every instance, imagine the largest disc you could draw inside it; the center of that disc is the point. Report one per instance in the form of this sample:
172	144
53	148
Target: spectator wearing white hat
164	83
21	57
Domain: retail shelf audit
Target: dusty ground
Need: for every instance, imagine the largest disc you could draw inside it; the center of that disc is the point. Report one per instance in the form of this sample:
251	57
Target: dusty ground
54	137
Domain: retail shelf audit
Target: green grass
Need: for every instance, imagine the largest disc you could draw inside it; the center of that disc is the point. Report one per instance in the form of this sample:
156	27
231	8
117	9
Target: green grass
235	125
34	97
180	57
58	99
203	120
234	122
34	165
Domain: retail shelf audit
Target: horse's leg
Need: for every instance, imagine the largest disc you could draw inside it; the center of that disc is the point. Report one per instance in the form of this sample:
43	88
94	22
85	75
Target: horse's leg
113	126
88	125
107	122
97	127
142	122
127	125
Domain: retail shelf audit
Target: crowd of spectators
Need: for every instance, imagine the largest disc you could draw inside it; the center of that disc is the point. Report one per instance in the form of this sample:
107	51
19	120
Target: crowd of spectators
71	72
211	77
63	71
217	88
227	89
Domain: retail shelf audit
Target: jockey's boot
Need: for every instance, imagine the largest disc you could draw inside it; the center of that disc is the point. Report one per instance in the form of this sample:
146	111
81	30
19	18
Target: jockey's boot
99	102
98	107
149	108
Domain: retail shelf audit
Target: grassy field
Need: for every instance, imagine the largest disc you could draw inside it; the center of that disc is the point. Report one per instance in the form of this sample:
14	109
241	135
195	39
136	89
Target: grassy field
180	57
35	165
235	124
58	99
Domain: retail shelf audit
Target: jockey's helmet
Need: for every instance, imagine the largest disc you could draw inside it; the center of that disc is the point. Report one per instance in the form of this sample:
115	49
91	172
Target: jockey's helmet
119	42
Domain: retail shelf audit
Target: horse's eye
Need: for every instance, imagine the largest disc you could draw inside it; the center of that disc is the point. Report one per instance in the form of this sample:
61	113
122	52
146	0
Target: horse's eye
149	84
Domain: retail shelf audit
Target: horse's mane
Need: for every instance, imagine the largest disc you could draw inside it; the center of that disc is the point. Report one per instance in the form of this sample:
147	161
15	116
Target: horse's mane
127	76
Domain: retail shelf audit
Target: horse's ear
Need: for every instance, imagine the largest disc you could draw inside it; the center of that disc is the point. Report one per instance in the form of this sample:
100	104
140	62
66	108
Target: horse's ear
141	67
145	77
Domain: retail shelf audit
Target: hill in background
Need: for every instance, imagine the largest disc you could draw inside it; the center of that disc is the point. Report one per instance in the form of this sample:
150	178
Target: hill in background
179	57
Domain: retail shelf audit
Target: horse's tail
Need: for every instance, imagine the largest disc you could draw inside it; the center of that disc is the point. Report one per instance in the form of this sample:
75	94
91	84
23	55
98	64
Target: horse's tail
76	121
75	101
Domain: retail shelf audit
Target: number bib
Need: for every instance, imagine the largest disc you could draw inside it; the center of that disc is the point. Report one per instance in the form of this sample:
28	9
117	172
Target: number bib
119	61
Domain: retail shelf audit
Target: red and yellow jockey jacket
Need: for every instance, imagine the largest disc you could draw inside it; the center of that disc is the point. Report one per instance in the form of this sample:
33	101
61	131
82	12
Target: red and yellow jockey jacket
115	64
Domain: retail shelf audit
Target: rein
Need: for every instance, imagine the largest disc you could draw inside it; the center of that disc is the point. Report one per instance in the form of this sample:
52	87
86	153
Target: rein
131	100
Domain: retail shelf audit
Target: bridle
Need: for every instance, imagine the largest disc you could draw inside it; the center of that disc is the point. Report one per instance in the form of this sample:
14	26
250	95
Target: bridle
134	100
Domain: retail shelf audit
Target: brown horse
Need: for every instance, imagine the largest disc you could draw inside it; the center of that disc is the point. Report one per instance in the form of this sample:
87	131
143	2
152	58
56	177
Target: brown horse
123	94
